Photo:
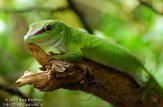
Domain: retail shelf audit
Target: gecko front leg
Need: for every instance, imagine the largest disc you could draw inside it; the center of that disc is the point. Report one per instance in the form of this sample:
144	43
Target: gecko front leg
72	53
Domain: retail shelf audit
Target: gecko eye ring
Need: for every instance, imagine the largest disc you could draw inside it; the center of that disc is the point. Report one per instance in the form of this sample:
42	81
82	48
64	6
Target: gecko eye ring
48	27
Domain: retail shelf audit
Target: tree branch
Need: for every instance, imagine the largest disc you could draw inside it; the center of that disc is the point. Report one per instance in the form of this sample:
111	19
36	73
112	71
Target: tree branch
109	84
143	2
81	16
45	9
14	91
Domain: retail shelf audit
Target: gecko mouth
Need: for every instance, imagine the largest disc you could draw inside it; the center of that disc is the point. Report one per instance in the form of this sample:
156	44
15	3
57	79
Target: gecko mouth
32	34
38	32
30	39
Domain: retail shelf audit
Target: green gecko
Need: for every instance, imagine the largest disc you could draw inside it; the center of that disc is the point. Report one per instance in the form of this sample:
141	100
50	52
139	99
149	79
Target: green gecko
75	45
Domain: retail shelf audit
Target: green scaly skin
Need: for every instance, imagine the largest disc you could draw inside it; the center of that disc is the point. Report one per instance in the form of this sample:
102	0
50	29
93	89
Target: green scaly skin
75	44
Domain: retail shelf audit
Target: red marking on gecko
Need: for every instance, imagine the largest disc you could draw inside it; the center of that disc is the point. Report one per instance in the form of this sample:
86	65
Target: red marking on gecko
39	32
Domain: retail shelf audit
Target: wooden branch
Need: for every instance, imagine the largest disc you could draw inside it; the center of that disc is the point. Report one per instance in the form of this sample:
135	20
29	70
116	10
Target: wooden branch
109	84
44	9
81	16
14	91
143	2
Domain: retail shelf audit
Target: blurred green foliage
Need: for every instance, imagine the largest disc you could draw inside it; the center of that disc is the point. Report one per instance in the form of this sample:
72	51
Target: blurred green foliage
127	21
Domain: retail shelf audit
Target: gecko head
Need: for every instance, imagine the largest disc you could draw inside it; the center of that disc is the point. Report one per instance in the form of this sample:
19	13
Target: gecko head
45	32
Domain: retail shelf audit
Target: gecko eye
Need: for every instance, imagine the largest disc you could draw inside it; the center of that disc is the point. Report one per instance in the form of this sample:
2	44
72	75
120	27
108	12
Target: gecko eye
48	27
